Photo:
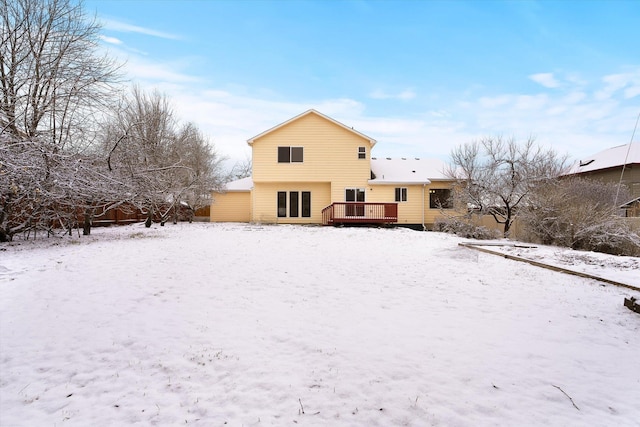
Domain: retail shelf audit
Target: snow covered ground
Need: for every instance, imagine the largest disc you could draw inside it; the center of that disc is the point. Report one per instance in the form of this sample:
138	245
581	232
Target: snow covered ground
222	324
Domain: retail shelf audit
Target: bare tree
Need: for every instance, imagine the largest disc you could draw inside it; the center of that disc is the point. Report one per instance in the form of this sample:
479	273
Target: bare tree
164	164
52	78
495	176
241	169
43	188
201	169
53	83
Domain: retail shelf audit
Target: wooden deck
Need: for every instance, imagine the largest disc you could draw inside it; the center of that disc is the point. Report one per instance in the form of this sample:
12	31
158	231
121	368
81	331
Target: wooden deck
360	213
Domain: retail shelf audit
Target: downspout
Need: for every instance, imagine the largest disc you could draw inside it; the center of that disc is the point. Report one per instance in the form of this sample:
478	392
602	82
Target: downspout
252	219
424	186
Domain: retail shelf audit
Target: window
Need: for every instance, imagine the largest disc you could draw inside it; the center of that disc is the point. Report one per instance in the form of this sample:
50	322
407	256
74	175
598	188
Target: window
362	152
290	154
282	204
296	154
354	195
440	198
306	204
293	204
299	202
284	154
401	194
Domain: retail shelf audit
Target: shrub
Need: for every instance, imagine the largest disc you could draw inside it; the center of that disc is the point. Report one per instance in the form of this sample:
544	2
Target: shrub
581	214
465	229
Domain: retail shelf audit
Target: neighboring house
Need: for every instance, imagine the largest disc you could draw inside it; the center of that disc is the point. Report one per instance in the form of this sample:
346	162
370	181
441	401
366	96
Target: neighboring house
312	169
632	207
617	164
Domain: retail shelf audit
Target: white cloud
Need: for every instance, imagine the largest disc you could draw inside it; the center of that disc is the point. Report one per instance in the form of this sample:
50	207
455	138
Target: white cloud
406	95
111	40
531	102
632	92
129	28
142	70
574	97
545	79
628	83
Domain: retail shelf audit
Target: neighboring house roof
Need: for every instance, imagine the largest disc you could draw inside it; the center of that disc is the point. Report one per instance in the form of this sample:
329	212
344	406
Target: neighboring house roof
244	184
407	171
250	141
630	203
611	158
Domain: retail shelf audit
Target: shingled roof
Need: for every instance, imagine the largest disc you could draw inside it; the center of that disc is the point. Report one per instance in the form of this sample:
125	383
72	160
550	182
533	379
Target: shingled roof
627	154
407	170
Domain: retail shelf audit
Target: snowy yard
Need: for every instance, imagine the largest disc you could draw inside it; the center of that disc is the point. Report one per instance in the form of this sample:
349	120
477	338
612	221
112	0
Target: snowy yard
221	324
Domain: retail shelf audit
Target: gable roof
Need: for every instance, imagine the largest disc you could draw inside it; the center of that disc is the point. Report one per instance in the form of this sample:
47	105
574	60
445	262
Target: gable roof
610	158
372	141
407	171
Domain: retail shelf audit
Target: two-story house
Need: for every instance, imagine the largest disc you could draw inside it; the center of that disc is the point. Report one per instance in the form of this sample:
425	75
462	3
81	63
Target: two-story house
313	169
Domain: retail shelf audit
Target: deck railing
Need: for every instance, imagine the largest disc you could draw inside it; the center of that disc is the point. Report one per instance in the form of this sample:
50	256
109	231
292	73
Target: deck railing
360	213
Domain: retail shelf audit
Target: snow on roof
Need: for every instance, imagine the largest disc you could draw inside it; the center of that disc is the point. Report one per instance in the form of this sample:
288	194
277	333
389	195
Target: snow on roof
610	158
407	170
244	184
372	141
630	203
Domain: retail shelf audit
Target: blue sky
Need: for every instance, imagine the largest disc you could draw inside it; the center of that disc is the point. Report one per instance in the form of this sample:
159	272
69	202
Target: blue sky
420	77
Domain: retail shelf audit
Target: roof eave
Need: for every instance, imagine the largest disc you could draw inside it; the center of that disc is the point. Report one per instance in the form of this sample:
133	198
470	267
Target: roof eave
397	182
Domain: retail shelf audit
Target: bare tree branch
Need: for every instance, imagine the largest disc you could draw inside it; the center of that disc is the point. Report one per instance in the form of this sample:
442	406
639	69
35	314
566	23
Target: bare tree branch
495	176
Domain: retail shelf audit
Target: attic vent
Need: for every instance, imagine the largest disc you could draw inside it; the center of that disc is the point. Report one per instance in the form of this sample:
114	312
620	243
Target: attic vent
413	171
417	158
588	162
374	158
388	158
404	158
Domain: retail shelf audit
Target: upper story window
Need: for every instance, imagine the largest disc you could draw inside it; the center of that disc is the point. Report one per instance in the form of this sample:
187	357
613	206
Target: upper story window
290	154
362	152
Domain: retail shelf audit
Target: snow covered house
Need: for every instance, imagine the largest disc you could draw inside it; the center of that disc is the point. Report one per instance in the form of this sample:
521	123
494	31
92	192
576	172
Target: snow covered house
617	164
312	169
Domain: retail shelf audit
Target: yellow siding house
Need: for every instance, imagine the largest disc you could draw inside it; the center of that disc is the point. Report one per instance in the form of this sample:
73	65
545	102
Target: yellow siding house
313	169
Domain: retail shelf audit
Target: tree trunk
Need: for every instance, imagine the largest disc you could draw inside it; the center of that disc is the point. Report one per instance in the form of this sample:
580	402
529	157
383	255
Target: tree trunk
149	220
507	222
4	236
88	219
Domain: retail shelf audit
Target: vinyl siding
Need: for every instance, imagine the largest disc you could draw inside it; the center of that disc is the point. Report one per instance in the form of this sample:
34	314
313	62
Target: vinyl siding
409	212
330	155
330	165
231	207
266	203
